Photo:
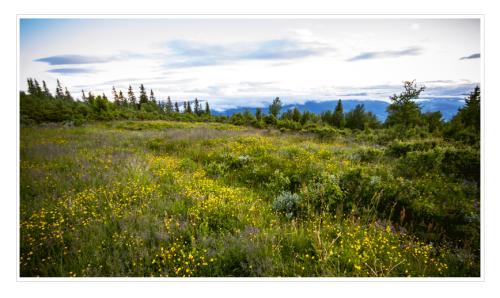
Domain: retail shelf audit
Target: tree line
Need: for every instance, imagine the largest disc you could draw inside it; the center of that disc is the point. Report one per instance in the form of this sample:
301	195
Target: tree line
39	105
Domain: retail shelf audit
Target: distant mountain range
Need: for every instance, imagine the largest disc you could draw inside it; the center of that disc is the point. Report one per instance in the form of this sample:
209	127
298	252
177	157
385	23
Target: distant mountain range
448	107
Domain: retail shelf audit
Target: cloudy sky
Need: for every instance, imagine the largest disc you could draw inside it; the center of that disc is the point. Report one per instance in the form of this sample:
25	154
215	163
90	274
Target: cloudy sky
249	61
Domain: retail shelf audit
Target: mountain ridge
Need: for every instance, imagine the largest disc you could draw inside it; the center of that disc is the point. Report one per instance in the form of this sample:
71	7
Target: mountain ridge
447	106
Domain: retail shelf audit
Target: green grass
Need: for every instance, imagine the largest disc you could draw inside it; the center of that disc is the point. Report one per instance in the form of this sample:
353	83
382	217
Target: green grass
159	198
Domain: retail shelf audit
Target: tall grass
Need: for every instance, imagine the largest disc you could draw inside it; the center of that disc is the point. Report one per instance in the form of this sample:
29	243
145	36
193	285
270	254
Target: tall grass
164	198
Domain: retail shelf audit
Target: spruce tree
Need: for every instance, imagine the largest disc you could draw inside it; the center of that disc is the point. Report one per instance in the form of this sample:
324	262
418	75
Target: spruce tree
356	118
152	97
465	126
258	114
115	96
176	107
359	119
196	107
67	95
84	98
338	118
207	109
121	98
470	114
143	97
31	86
189	110
169	106
38	89
296	115
59	90
306	116
46	91
91	98
131	96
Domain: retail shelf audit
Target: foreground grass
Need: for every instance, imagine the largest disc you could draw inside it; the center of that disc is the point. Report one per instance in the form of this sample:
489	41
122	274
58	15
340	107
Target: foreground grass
193	199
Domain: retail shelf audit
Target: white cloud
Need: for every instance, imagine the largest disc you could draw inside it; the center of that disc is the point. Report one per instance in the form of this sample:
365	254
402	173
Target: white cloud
241	61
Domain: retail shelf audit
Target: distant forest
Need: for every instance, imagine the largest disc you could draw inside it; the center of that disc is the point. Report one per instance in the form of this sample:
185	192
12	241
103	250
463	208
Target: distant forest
405	117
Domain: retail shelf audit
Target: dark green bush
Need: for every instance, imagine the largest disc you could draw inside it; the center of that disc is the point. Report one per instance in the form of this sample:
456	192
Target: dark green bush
417	163
400	148
462	163
323	194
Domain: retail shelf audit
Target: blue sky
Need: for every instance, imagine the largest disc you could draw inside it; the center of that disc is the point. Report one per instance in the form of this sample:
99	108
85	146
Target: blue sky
249	61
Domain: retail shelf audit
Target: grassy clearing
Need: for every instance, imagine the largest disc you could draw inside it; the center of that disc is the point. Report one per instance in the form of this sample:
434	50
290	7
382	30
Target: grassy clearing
162	198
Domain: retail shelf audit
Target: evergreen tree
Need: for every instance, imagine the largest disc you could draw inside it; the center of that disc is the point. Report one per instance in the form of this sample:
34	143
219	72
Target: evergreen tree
169	108
31	87
197	108
152	97
355	118
465	126
258	114
101	105
185	107
84	98
359	119
189	110
326	117
248	116
91	98
115	96
176	107
434	120
59	90
38	89
121	99
338	118
207	109
404	110
67	95
46	91
306	116
143	97
287	115
296	115
275	107
131	97
470	114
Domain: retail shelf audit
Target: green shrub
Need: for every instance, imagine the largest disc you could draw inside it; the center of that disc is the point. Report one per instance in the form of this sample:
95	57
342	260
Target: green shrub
417	163
323	194
369	154
462	163
278	182
400	148
287	203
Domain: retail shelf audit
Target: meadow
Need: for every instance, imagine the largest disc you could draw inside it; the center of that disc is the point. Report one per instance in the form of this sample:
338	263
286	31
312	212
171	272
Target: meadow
188	199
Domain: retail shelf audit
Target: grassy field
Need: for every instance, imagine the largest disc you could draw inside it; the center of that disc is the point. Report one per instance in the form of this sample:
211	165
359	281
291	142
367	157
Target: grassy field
208	199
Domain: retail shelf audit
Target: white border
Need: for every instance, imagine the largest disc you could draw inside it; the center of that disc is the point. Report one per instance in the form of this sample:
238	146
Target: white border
260	279
490	224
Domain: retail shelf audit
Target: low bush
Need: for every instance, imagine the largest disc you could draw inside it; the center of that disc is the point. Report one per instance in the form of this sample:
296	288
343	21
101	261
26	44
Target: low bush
287	203
400	148
462	164
323	194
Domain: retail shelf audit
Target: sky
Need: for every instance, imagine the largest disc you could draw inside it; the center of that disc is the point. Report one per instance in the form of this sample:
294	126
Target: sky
234	61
